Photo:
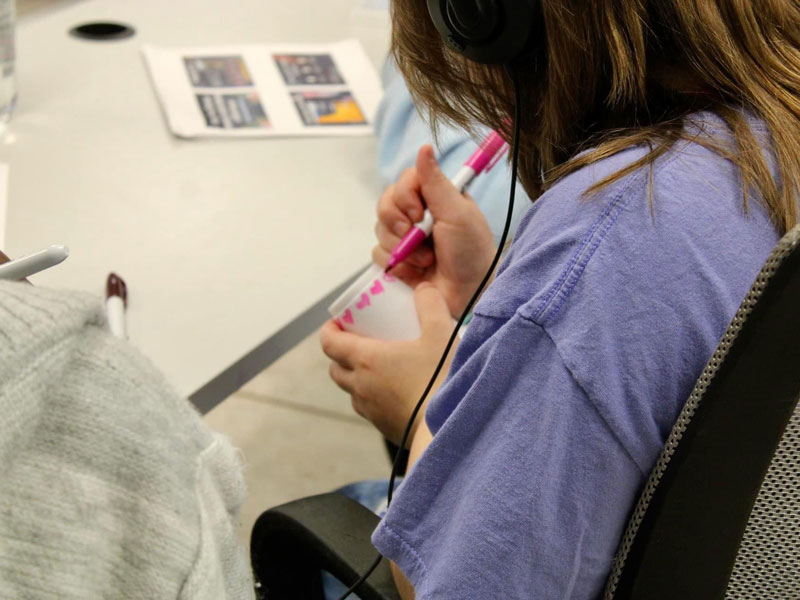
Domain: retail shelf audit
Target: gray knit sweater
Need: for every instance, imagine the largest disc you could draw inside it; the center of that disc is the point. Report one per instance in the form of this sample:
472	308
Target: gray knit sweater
111	486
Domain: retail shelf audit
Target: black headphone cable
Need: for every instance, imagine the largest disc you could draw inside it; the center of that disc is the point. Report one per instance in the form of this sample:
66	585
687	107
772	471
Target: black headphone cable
514	165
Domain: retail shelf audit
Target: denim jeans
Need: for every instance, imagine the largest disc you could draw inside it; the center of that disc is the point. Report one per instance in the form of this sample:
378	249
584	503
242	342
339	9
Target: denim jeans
372	495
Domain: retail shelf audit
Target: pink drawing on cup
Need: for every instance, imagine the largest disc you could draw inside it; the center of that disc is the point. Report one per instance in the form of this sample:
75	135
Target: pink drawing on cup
389	277
376	288
364	302
338	323
347	317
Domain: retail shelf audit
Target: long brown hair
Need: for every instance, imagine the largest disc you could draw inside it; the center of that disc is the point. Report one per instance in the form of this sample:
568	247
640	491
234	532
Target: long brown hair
605	75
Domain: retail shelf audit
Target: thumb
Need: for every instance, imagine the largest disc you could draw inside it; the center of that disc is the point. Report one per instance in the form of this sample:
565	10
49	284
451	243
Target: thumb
434	315
439	194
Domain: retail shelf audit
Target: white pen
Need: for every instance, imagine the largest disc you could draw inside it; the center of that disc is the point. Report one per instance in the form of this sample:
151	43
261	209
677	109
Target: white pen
26	266
116	301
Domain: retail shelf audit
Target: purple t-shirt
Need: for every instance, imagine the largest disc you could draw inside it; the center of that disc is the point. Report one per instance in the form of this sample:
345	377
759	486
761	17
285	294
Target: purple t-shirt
571	375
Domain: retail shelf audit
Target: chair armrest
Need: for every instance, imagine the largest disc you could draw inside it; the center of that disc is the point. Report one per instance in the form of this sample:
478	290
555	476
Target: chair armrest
290	545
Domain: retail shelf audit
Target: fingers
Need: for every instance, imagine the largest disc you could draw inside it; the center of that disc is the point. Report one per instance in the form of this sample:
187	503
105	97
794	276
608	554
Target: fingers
407	195
358	405
344	378
340	346
390	214
400	206
440	195
422	257
408	272
386	238
434	314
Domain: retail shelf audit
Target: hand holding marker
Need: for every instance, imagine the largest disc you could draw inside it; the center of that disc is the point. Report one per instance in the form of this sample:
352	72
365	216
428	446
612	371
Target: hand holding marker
482	160
382	306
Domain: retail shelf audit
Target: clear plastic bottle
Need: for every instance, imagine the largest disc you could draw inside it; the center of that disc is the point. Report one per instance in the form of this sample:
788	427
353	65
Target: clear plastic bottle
8	87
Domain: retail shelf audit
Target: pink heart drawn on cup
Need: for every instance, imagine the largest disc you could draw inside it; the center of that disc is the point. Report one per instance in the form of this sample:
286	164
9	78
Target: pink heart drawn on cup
364	302
347	317
376	288
389	277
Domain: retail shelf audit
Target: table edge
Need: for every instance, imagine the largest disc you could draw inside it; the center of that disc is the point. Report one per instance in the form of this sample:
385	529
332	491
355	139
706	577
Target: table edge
262	356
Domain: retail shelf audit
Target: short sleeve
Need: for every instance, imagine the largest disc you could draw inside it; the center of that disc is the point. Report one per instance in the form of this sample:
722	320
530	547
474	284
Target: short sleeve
519	490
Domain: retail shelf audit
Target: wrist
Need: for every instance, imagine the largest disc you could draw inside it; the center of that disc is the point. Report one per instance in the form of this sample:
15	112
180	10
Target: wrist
415	427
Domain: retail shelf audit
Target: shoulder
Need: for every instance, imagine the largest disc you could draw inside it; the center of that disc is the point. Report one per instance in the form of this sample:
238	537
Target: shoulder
84	388
636	284
97	429
689	203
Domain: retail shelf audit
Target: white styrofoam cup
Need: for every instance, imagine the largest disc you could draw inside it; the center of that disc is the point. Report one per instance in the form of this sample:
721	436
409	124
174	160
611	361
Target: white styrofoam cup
378	305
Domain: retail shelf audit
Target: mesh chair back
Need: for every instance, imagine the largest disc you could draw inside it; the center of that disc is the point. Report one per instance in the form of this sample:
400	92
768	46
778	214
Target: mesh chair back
768	563
719	516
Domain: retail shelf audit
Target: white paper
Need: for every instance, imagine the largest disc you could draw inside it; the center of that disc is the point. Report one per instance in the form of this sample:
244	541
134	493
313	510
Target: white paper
3	203
266	90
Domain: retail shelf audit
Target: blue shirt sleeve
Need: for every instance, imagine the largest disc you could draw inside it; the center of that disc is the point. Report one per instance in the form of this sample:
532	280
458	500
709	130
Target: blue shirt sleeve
488	512
401	131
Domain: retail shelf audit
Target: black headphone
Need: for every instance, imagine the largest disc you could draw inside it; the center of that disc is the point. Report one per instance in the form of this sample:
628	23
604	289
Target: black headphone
486	31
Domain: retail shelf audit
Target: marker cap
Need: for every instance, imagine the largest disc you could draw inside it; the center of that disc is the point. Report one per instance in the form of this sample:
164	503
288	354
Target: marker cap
486	152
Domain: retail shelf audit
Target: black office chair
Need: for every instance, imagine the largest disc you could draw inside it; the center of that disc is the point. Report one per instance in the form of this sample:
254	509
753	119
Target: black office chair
718	518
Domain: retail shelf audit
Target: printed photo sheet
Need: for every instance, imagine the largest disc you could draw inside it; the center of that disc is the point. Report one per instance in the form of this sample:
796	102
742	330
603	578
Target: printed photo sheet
266	90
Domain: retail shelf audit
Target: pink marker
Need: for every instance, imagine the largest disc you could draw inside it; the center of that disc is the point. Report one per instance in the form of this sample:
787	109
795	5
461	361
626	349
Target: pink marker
482	160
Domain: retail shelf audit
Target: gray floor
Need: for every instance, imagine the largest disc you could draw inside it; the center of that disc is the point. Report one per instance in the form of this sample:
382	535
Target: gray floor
297	433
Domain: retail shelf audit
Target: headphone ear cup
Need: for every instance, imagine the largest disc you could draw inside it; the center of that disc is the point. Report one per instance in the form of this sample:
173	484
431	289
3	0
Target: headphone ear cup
486	31
476	21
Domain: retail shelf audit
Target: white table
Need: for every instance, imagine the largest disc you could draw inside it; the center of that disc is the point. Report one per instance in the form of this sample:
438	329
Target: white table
229	247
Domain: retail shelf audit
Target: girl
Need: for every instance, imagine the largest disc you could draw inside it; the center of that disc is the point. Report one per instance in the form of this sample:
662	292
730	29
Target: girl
660	142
